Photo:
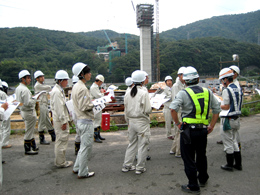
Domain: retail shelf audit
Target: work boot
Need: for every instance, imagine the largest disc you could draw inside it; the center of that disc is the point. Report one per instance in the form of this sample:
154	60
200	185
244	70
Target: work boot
53	135
77	147
238	161
42	138
33	145
230	162
99	136
96	138
27	148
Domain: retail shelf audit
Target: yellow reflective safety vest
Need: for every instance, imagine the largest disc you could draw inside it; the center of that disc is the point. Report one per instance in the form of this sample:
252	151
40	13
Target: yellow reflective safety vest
199	97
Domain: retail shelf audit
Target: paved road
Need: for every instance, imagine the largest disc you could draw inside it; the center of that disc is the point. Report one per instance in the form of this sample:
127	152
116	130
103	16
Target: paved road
165	173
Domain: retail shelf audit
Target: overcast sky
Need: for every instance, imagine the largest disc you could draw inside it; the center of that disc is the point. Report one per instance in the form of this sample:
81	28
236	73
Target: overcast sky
117	15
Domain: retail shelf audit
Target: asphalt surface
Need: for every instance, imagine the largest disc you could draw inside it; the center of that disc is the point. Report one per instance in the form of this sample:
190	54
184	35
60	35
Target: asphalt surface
165	173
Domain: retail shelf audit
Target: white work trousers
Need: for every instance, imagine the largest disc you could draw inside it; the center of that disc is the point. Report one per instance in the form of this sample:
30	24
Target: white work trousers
176	145
6	130
1	167
61	143
86	130
139	139
97	119
229	137
168	121
44	122
30	119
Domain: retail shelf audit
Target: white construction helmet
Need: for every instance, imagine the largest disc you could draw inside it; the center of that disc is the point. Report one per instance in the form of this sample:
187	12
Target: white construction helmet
23	73
190	73
5	84
138	76
145	73
225	72
78	67
181	70
168	78
128	81
100	77
38	73
61	74
235	68
75	79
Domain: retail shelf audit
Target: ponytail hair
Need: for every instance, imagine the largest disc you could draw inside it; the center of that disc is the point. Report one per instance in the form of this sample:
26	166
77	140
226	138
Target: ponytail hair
134	89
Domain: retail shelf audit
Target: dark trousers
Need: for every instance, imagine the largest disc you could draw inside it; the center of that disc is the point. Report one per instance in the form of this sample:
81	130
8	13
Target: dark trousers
194	157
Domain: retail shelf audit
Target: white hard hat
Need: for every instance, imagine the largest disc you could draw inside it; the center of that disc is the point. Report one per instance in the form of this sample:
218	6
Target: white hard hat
75	79
78	67
235	68
145	73
128	81
225	72
5	84
138	76
181	70
23	73
168	78
190	73
100	77
38	73
61	74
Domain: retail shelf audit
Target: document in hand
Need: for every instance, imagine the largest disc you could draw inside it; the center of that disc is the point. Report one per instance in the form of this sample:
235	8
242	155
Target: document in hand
11	106
157	100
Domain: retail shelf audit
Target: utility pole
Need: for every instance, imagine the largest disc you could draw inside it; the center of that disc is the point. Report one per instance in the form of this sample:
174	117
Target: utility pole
157	41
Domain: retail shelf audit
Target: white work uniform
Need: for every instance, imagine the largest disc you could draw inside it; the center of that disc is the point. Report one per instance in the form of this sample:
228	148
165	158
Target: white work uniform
44	122
60	116
230	137
1	169
137	110
167	111
28	112
178	86
83	109
95	94
6	124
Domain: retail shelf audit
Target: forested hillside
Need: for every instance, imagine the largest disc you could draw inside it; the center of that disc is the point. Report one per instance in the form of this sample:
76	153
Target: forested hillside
49	51
240	27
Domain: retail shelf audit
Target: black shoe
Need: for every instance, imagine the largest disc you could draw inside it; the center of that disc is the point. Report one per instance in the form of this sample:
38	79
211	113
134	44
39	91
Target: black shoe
185	188
96	139
238	167
148	158
226	167
202	184
220	142
42	138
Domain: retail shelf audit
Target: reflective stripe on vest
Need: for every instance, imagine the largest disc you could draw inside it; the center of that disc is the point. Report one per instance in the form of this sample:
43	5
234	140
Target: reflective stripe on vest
200	117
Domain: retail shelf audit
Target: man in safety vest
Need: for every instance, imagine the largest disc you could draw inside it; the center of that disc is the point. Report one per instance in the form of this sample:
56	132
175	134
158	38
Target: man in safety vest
195	102
230	122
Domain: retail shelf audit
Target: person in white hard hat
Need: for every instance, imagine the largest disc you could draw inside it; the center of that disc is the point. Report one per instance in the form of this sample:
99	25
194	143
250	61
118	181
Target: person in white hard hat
95	94
60	119
44	121
178	86
137	110
236	72
6	124
28	112
75	79
196	103
3	107
129	83
83	108
166	110
230	122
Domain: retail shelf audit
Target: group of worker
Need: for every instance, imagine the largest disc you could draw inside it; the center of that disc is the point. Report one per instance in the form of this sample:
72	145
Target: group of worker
188	106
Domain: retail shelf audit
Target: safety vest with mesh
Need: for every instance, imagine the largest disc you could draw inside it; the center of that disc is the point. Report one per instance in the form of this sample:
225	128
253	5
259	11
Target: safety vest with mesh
200	99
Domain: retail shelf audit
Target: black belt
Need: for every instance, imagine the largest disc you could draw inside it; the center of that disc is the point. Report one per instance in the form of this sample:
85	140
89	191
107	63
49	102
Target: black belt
233	117
197	126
